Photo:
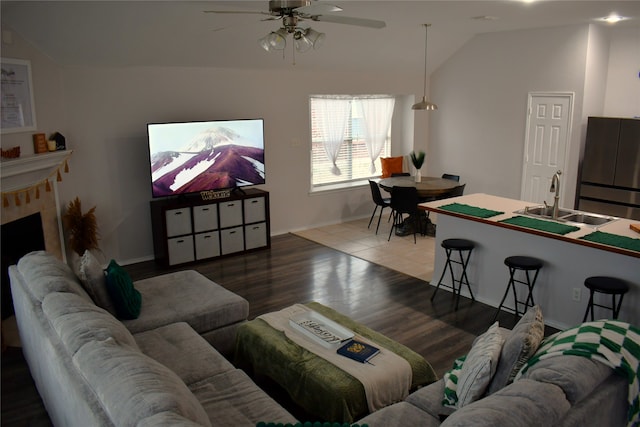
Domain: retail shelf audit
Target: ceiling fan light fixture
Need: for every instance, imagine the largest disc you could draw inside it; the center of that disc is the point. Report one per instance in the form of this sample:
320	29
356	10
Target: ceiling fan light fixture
301	42
278	39
275	40
264	43
425	104
305	39
316	38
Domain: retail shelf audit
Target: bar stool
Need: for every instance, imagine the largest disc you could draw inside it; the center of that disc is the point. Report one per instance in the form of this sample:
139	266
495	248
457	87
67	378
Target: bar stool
605	285
459	245
528	265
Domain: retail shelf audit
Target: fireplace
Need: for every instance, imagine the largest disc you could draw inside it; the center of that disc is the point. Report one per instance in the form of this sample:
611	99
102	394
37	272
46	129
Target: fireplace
19	237
30	212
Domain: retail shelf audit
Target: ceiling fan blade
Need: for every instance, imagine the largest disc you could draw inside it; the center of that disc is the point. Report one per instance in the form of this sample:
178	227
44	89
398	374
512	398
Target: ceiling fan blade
250	12
362	22
317	9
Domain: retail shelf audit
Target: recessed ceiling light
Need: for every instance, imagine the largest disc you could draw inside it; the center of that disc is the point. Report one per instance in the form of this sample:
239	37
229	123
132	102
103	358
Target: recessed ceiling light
613	18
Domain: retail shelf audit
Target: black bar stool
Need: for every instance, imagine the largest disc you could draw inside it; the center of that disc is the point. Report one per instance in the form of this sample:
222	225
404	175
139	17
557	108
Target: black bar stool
526	264
459	245
605	285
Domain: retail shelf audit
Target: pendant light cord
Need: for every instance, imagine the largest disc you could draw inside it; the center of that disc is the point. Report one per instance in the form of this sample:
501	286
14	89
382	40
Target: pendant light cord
426	31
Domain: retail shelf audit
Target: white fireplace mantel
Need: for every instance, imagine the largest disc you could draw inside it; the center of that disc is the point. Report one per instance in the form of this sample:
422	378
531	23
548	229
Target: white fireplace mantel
26	171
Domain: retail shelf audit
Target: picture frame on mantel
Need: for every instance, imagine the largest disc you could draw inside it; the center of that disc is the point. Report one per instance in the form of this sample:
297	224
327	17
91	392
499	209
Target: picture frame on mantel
18	113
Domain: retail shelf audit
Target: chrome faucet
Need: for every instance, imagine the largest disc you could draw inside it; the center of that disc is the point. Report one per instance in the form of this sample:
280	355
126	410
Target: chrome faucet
555	186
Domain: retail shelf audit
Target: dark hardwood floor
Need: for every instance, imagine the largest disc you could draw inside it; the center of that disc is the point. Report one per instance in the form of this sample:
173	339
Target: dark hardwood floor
296	270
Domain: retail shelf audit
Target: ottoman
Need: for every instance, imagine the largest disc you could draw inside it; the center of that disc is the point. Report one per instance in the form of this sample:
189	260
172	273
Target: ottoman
319	387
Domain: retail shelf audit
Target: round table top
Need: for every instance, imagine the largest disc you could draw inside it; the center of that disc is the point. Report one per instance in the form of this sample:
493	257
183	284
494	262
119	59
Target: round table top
429	186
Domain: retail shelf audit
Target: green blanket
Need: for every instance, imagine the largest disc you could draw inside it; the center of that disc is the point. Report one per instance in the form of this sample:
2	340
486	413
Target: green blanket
614	343
316	385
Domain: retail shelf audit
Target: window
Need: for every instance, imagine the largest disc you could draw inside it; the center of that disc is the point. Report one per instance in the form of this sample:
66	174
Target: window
351	130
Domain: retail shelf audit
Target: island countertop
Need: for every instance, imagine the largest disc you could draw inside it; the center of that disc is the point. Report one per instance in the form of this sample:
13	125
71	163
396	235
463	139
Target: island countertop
567	259
618	227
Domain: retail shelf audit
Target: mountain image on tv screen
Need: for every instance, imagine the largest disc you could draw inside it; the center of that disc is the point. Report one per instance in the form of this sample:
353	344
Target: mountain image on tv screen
202	156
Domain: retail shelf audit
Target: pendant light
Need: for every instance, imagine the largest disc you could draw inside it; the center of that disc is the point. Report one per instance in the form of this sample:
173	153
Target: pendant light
424	104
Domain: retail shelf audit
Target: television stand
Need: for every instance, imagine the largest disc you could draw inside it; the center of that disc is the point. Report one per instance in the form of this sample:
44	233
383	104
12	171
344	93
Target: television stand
191	229
239	190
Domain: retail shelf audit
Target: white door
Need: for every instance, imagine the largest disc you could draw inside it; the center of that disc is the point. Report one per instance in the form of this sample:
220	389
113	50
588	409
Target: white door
546	144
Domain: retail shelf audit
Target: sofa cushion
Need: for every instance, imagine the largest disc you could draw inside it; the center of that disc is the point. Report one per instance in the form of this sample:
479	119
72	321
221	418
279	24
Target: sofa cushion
234	398
577	376
519	346
93	278
429	399
479	366
181	349
524	403
78	321
166	419
400	414
125	297
132	386
203	304
608	406
44	273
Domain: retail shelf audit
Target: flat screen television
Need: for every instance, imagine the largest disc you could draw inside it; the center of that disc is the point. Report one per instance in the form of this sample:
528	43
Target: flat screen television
192	157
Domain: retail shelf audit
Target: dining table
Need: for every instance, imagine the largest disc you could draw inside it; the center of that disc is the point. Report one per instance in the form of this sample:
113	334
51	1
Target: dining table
429	188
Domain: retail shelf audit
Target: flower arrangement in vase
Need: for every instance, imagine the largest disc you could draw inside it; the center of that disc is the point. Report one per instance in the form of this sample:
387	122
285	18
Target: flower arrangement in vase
418	161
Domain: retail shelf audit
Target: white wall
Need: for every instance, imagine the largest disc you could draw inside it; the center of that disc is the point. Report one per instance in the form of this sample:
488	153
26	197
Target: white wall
108	109
623	79
479	130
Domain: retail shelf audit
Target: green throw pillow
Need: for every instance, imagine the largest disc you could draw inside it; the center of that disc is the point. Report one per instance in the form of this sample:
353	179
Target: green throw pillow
124	296
450	399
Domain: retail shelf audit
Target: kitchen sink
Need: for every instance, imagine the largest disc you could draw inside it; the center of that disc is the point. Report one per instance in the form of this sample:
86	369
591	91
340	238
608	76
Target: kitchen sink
543	211
567	215
588	219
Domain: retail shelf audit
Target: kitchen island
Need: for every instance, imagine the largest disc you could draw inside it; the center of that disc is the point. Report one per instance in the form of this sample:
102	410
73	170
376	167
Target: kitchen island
568	258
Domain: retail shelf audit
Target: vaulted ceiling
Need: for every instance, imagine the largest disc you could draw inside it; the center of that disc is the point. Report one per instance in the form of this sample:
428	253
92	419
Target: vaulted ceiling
178	33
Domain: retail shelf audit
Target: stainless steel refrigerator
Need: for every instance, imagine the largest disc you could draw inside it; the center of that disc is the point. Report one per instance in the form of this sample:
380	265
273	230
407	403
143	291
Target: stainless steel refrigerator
610	173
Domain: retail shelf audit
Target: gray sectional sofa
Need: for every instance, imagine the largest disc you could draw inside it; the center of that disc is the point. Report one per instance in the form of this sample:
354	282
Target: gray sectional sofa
92	369
559	391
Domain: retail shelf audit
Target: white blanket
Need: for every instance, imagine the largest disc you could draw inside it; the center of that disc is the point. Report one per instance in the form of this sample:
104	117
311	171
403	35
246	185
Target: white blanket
386	380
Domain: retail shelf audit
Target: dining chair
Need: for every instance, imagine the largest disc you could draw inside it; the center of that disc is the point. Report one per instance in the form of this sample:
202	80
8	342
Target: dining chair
456	191
400	174
404	200
449	176
380	201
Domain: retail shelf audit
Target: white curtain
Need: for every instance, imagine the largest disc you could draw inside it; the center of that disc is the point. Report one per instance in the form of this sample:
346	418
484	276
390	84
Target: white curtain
376	115
333	117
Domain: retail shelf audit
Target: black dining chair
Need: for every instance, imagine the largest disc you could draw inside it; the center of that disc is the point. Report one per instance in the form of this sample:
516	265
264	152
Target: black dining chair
449	176
404	200
380	201
456	191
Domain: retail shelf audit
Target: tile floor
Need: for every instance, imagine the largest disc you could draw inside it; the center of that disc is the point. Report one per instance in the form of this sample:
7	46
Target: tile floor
399	253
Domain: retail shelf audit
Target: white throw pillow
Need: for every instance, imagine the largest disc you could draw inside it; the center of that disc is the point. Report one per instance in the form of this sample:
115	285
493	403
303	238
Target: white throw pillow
94	281
479	366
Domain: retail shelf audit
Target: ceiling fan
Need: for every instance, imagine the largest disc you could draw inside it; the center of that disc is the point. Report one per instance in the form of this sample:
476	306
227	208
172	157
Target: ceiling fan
291	12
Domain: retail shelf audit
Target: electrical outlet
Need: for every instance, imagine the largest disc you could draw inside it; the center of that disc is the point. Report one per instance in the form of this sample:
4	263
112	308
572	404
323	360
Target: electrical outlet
576	294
